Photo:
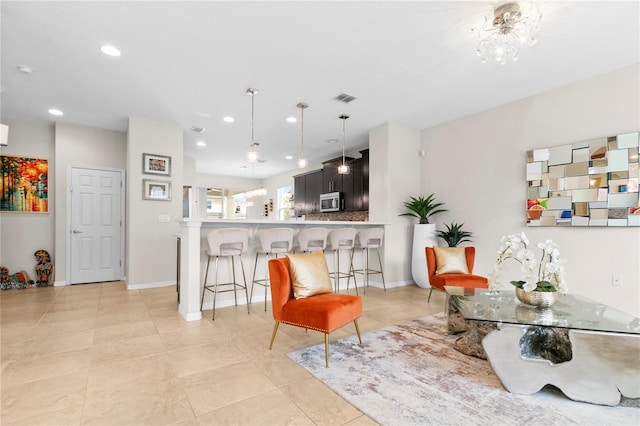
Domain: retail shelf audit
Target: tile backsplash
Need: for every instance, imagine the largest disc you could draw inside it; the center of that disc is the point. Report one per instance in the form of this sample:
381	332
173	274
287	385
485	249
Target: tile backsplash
358	216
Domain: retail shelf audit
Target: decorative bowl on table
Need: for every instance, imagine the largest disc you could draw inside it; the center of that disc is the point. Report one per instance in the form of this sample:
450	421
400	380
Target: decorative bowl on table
540	299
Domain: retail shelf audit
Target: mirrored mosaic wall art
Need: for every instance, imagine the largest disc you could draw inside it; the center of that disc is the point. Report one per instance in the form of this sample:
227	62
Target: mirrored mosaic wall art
591	183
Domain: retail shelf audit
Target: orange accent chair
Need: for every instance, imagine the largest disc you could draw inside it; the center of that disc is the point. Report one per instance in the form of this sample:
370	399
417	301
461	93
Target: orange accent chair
456	280
323	312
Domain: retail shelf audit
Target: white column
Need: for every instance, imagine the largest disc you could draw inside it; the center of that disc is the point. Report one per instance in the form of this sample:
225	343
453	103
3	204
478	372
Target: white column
190	290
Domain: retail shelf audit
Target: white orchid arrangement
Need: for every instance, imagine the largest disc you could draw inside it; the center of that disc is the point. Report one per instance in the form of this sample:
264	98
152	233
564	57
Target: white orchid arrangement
544	274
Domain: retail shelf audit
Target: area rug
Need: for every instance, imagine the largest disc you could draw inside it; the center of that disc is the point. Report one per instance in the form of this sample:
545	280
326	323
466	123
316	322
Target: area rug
409	374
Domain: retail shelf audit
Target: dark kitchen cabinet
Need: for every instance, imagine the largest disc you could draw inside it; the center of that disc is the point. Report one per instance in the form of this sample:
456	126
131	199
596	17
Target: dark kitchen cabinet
353	186
307	188
332	181
365	179
313	189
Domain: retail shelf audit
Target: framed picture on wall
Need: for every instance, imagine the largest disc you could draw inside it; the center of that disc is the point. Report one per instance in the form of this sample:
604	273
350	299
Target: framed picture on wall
159	190
24	184
153	164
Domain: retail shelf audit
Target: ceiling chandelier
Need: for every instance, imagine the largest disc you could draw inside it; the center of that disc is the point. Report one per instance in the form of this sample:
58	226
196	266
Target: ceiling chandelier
343	169
511	26
302	162
252	155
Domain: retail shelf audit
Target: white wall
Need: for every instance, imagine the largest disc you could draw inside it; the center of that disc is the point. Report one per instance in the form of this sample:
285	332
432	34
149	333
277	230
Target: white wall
477	166
79	146
151	244
24	233
394	175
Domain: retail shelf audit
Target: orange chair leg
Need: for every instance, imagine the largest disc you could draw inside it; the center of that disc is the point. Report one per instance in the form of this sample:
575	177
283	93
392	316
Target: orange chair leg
273	336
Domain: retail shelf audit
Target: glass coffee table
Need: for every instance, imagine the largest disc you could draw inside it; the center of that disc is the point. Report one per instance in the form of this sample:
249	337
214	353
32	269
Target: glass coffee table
587	349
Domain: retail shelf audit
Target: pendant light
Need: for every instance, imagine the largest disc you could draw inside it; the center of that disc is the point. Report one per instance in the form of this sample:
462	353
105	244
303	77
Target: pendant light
252	155
302	162
343	169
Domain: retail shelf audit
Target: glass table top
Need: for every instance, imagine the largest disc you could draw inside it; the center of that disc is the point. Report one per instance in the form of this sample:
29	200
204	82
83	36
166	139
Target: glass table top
571	311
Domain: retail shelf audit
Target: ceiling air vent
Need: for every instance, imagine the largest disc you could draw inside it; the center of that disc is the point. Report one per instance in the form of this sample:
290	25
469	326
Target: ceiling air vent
196	129
344	98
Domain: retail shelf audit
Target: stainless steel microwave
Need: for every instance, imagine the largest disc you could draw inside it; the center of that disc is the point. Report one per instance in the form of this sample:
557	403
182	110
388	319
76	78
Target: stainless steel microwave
331	202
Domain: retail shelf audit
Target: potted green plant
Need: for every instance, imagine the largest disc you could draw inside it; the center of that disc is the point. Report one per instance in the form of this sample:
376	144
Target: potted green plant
423	208
424	234
454	234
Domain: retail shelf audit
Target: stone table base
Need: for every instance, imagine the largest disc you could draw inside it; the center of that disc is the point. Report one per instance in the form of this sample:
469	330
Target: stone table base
600	367
469	343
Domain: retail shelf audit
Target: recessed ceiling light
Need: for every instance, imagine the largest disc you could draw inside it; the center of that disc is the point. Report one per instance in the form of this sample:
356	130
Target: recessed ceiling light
54	111
291	119
25	69
201	143
228	119
289	157
107	49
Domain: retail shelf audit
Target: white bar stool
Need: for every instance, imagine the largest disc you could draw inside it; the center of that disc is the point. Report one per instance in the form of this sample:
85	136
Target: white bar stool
310	239
366	240
230	243
272	242
339	240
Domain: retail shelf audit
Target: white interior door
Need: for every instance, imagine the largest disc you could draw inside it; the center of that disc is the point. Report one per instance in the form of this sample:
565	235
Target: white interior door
96	225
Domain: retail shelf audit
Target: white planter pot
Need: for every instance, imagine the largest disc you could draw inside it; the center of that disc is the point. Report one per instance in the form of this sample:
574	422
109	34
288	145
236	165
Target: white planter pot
424	235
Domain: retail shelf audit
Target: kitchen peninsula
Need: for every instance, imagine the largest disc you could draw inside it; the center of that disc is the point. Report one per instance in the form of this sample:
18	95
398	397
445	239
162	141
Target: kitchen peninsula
193	239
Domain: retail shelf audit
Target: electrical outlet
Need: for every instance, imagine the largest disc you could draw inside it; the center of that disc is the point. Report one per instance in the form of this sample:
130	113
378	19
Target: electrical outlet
616	280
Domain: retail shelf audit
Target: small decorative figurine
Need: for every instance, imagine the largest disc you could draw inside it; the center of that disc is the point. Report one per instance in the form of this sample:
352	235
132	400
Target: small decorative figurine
18	280
44	268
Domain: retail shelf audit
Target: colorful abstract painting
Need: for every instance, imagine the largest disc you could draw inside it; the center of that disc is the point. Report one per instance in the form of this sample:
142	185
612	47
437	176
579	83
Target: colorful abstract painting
24	184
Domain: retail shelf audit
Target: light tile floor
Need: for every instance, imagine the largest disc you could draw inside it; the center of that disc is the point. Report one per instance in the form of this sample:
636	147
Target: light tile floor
99	354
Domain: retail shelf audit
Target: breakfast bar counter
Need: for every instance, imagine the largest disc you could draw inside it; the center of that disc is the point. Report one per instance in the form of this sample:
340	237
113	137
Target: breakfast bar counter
193	244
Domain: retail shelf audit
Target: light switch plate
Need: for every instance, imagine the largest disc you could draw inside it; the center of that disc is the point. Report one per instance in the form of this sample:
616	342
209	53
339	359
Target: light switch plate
164	218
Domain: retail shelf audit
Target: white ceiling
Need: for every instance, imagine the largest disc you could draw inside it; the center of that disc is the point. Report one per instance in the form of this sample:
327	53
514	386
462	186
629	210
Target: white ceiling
191	62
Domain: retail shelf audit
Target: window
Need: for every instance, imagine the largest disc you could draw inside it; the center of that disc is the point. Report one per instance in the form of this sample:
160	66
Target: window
285	203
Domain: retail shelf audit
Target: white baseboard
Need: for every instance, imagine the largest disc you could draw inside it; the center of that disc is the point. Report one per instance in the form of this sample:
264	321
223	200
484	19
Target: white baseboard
156	284
60	283
378	284
226	302
194	316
